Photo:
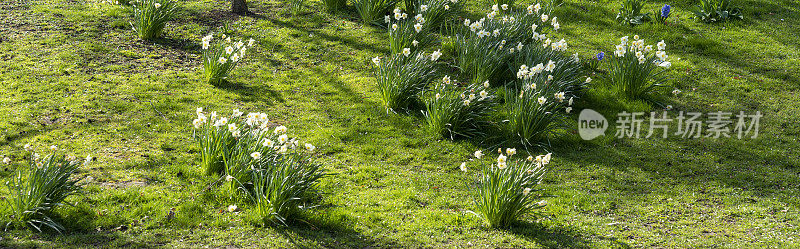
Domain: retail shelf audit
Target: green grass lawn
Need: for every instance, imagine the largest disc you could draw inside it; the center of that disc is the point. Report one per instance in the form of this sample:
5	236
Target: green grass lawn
73	74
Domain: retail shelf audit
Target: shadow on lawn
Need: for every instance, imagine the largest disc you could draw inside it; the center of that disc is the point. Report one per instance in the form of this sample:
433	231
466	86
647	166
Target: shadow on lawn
262	93
80	233
330	78
366	104
353	43
208	18
24	132
349	12
557	236
757	166
87	240
315	231
176	43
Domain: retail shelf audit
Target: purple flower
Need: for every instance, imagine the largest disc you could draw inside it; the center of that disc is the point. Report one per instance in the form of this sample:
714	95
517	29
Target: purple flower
600	56
665	11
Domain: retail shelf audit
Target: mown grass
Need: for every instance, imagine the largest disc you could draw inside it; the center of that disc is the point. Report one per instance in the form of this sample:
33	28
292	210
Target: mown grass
75	75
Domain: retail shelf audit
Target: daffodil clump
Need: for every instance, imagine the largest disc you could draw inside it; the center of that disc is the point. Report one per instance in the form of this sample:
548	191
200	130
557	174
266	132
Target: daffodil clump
221	56
456	110
507	190
637	69
485	46
230	141
414	31
408	33
214	139
402	77
35	191
437	12
533	116
546	65
482	59
267	167
281	186
150	17
542	93
535	101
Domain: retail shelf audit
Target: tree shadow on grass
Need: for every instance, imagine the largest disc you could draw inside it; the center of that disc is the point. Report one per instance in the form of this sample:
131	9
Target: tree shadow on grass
79	233
208	18
396	118
757	166
315	231
558	236
176	43
78	240
348	12
264	94
24	132
353	43
330	78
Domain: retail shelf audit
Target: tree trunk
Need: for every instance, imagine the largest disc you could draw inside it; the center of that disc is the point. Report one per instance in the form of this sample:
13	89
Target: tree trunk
239	7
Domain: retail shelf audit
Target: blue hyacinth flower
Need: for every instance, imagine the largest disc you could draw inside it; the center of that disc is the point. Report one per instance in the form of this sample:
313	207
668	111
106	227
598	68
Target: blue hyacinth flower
600	56
665	11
